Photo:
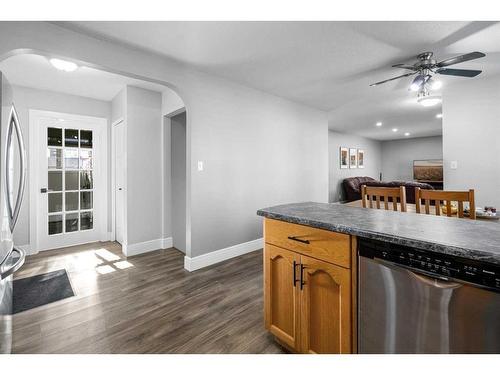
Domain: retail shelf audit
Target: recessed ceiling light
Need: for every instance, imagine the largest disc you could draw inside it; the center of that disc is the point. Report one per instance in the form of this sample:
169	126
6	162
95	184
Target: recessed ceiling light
378	123
394	130
64	65
439	115
407	134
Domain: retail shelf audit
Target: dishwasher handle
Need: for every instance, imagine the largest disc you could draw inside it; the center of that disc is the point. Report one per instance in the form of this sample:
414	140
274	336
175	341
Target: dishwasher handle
434	281
427	278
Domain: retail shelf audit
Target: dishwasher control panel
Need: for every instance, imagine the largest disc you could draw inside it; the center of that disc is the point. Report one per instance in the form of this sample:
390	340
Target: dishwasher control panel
438	265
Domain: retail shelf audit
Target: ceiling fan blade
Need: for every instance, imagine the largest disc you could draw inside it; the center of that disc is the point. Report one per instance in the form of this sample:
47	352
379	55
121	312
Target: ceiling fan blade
404	66
459	72
392	79
460	59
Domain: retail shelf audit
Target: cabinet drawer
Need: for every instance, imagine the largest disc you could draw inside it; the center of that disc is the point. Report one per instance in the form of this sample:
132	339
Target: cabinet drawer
317	243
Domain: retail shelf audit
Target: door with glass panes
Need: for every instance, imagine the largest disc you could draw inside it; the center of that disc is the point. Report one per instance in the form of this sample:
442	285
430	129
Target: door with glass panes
71	190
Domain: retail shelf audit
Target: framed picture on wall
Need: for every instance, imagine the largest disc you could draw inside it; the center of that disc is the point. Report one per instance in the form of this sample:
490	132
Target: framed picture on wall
361	158
353	158
344	157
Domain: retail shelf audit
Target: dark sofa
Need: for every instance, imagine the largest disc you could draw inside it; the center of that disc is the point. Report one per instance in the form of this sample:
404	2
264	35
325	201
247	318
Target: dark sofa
352	187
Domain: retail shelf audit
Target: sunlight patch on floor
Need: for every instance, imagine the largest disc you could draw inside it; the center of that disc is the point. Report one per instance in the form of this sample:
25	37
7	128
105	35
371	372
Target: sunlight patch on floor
123	264
107	255
105	269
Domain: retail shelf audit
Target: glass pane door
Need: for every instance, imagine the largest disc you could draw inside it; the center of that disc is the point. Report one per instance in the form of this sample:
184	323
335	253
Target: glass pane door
70	180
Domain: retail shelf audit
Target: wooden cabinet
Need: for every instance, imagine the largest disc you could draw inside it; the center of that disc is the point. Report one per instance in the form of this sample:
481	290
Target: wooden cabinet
309	301
282	294
325	324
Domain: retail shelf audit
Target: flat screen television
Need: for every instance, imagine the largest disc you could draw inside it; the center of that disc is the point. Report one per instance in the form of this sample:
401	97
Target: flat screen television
428	170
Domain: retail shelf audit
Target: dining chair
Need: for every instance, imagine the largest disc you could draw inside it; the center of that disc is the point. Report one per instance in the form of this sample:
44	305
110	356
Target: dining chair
445	198
389	196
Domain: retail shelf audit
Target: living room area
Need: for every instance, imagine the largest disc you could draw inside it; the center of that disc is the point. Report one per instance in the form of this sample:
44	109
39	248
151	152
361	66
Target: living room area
384	137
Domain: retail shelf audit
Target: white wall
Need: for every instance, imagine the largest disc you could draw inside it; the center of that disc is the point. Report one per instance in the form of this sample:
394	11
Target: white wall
178	180
170	102
336	176
119	106
471	134
144	165
28	98
398	156
258	149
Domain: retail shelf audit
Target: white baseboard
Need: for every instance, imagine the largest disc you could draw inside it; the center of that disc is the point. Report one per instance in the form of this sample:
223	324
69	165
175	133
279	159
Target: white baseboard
144	247
205	260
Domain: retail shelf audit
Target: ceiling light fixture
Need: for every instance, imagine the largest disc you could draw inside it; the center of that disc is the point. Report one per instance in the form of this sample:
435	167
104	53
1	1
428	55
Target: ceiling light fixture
378	124
426	99
66	66
430	100
439	115
394	130
407	134
417	82
434	84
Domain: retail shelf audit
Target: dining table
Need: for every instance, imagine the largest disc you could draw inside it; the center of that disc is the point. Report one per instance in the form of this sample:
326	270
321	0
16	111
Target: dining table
411	207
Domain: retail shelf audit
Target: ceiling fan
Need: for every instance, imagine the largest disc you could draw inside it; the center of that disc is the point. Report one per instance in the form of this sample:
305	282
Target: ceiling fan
426	67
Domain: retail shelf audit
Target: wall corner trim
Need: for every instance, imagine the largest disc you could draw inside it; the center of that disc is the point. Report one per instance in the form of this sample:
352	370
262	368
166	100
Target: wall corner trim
27	249
147	246
205	260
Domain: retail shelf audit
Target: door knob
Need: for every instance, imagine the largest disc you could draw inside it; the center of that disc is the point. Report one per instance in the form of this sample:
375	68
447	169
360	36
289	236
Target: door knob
119	189
43	190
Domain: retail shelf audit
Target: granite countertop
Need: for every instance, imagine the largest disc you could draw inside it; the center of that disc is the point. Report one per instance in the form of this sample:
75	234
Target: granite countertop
472	239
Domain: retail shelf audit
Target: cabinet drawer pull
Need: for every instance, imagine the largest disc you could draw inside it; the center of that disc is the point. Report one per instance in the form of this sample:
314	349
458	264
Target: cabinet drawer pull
295	274
302	282
298	239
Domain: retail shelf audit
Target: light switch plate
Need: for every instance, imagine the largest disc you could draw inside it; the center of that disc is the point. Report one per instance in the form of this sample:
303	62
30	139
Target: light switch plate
200	165
454	164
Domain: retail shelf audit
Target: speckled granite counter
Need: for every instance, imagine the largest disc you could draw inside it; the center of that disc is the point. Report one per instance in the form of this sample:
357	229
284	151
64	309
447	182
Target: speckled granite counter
472	239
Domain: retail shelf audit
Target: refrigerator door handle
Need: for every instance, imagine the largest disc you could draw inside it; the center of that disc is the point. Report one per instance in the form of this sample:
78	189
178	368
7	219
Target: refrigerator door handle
18	264
14	125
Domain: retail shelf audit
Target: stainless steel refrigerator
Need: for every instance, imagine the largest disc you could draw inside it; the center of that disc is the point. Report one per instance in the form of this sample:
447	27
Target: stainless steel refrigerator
12	184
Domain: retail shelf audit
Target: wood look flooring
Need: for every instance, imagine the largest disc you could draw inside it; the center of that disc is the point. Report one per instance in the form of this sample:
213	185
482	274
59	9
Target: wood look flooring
146	304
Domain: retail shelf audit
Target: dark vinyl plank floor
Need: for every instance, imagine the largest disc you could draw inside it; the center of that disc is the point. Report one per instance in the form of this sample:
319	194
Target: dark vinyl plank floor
146	304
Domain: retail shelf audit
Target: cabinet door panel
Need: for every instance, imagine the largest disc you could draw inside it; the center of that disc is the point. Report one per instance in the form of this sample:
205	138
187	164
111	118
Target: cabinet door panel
325	308
281	295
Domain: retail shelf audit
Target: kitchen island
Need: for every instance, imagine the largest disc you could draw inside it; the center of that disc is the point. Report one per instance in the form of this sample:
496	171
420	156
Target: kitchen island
311	265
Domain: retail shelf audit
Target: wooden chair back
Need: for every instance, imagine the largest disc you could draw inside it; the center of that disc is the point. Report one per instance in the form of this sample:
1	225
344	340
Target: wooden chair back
445	198
390	197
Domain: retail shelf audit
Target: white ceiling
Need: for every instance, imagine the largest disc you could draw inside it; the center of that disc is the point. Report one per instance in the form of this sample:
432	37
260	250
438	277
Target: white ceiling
326	65
35	71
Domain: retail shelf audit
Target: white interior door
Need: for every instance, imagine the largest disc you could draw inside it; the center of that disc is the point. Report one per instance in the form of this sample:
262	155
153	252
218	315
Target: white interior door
119	147
71	207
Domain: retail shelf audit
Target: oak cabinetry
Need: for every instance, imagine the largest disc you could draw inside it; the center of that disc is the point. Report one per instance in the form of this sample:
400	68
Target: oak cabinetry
282	295
308	288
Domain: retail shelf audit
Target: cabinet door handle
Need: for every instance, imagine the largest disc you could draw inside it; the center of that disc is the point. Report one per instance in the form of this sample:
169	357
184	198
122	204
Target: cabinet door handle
295	274
294	238
302	282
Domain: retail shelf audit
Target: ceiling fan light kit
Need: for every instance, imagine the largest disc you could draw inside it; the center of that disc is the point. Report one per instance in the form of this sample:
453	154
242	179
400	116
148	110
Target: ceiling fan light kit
426	99
426	67
418	81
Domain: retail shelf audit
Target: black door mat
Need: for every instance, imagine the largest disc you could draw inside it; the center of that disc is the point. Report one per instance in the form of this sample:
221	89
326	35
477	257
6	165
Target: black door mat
40	290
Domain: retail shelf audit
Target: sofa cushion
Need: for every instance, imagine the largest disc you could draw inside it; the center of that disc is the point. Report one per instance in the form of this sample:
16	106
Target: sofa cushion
352	187
409	187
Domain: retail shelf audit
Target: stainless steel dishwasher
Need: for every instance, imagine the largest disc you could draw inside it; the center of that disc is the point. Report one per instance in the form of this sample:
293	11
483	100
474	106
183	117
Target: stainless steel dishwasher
412	301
